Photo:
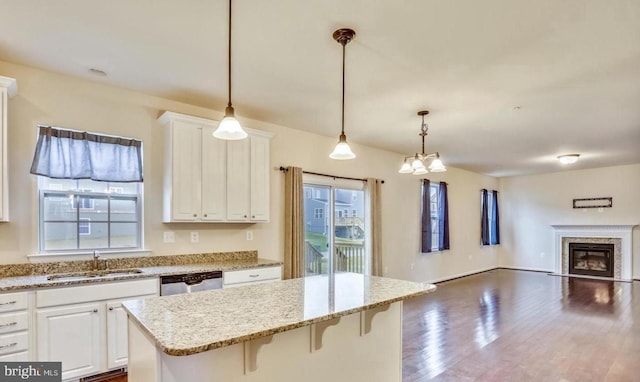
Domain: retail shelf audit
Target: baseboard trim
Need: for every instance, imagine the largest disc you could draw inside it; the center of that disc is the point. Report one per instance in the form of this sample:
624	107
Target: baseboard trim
461	275
512	268
525	269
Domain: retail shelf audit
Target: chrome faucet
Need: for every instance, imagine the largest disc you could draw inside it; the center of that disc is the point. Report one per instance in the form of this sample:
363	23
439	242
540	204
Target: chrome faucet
96	256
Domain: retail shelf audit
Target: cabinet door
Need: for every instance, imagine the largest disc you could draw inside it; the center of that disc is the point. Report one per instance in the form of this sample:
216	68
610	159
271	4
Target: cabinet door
72	335
214	174
3	157
259	178
117	351
238	167
186	168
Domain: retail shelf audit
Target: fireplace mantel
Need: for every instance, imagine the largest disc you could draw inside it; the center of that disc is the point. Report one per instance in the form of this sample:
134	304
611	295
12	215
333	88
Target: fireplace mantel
614	231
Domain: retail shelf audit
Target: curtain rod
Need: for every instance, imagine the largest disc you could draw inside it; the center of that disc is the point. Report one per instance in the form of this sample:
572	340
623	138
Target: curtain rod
284	169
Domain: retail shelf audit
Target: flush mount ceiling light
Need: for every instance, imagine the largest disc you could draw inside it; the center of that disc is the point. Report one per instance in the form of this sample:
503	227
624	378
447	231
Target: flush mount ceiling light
342	150
229	128
568	158
415	164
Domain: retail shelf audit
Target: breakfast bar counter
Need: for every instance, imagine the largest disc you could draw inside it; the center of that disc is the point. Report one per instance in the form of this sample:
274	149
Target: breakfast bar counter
347	326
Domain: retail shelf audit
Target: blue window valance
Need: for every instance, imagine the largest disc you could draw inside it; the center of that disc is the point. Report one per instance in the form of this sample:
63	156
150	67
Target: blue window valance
69	154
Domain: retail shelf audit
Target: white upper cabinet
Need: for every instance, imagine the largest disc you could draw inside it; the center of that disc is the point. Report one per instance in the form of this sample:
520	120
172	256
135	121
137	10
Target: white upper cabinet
259	164
212	180
239	172
8	89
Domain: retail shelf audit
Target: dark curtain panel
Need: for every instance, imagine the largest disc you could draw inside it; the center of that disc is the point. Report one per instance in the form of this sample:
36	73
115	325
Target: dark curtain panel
426	217
495	216
443	221
484	221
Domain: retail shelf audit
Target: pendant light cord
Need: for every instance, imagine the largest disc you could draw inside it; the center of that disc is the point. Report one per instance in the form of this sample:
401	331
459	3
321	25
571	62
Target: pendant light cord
229	60
343	65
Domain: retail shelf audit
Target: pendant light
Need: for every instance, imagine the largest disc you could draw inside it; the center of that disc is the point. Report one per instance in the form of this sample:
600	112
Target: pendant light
342	151
415	164
229	128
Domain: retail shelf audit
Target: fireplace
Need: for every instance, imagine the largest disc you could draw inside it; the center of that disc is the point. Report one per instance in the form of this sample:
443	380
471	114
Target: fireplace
621	236
591	259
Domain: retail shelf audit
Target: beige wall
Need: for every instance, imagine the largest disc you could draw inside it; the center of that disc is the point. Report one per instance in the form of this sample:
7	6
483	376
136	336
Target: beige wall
531	204
48	98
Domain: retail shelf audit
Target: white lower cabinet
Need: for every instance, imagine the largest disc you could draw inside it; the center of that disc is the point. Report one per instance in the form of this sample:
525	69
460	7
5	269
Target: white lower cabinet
73	335
244	277
14	327
88	336
117	340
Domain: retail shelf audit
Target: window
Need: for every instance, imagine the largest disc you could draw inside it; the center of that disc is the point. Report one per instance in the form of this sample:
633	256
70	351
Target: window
85	214
84	226
318	213
490	220
90	190
435	217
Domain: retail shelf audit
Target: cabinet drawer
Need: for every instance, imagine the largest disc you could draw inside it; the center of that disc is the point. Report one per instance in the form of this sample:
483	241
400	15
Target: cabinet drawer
11	343
13	301
13	322
22	356
252	275
96	292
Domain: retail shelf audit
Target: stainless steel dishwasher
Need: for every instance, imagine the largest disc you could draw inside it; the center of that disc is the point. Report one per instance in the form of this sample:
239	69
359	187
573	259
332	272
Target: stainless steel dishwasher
190	282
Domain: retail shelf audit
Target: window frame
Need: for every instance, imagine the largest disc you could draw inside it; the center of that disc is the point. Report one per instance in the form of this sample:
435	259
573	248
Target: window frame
76	195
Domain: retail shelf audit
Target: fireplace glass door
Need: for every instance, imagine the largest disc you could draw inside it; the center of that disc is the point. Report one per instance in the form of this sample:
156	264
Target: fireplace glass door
591	259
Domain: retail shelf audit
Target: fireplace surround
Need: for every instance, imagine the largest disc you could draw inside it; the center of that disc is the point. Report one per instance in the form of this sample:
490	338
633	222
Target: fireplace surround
618	235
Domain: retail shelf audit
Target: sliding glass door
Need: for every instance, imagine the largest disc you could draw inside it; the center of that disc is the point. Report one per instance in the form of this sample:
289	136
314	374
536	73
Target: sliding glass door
335	229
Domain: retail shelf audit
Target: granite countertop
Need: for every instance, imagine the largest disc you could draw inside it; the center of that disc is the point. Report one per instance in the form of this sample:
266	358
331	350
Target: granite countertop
192	323
151	267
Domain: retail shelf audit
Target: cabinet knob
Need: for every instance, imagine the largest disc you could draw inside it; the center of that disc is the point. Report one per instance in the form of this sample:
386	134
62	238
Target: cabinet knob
95	311
253	216
245	216
205	215
195	215
111	308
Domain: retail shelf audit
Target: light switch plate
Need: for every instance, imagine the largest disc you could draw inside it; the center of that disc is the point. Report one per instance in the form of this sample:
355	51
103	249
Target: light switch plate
249	235
195	237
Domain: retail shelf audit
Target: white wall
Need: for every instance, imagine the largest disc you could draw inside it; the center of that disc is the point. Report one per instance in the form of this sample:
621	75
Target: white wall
531	204
54	99
466	254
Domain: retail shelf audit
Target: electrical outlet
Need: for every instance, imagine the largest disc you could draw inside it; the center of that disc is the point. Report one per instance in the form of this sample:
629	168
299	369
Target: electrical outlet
195	237
249	235
169	237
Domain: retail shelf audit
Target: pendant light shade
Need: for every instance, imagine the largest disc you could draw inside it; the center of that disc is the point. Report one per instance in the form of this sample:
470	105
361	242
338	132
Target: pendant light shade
437	166
342	151
406	168
229	128
417	161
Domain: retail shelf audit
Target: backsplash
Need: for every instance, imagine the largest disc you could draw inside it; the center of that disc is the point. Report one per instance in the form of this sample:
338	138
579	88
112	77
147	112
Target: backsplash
24	269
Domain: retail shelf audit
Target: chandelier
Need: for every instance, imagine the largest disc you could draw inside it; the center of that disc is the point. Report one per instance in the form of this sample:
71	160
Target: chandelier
415	164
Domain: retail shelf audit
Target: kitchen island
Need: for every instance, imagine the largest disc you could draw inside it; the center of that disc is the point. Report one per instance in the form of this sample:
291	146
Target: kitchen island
344	327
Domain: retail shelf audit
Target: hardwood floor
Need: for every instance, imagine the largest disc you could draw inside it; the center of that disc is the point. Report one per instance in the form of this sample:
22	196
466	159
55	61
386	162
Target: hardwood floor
507	325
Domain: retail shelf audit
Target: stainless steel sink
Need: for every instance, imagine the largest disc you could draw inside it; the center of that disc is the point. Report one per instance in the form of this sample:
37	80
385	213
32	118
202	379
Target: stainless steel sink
93	274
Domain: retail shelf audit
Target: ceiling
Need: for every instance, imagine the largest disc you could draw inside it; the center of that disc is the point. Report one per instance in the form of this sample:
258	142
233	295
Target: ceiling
510	84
